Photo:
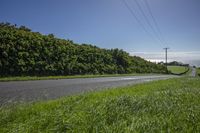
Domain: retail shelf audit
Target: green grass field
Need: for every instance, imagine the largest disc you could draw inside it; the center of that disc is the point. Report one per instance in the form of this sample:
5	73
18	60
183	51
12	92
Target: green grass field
25	78
198	71
171	105
177	69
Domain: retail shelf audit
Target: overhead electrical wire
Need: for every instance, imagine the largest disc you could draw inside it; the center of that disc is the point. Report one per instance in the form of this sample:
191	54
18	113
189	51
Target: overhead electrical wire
148	22
154	20
157	33
136	18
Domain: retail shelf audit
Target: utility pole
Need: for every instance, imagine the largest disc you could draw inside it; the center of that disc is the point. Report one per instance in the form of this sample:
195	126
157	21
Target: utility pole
166	57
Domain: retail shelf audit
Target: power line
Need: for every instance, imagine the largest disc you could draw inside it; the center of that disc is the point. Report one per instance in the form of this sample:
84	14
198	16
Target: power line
135	16
154	20
147	20
131	10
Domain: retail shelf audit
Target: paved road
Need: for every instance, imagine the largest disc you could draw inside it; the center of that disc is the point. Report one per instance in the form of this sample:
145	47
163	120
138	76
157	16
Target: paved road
20	91
193	73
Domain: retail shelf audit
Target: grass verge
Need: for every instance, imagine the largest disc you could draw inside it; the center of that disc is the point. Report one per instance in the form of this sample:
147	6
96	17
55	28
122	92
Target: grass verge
24	78
160	106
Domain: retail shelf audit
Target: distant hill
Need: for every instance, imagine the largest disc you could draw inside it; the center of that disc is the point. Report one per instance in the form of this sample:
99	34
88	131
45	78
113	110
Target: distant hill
24	52
176	63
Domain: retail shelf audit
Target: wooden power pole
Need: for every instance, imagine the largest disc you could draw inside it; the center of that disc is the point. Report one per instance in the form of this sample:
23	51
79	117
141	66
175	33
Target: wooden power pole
166	57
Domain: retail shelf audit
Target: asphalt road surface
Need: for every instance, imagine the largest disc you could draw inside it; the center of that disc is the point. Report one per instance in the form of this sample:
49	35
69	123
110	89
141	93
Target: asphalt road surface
28	91
193	74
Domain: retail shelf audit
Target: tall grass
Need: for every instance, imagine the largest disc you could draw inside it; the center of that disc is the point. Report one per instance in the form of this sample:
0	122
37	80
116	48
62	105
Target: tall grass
160	106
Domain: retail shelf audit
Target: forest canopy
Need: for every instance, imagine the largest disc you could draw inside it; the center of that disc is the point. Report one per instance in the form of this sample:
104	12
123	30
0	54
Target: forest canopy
27	53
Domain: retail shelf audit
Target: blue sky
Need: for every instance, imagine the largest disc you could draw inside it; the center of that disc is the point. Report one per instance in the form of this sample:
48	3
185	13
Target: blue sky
109	24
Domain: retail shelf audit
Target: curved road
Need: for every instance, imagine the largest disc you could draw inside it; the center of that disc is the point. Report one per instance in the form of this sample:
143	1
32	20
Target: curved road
193	73
26	91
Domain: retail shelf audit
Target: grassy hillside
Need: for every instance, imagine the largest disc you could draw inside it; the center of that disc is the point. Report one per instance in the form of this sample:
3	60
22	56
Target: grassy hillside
177	69
160	106
27	53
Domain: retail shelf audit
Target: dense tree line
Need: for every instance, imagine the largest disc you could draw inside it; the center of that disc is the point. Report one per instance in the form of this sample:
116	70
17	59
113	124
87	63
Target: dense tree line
24	52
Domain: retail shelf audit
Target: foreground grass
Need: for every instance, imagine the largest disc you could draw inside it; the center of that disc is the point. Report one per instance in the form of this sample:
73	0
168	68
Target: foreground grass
161	106
177	69
24	78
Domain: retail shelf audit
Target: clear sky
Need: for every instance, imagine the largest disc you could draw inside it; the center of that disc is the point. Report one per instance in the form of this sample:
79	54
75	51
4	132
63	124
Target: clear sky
110	24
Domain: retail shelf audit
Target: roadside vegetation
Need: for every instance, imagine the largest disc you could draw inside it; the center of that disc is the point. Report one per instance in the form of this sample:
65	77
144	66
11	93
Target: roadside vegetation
28	53
177	69
160	106
24	78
